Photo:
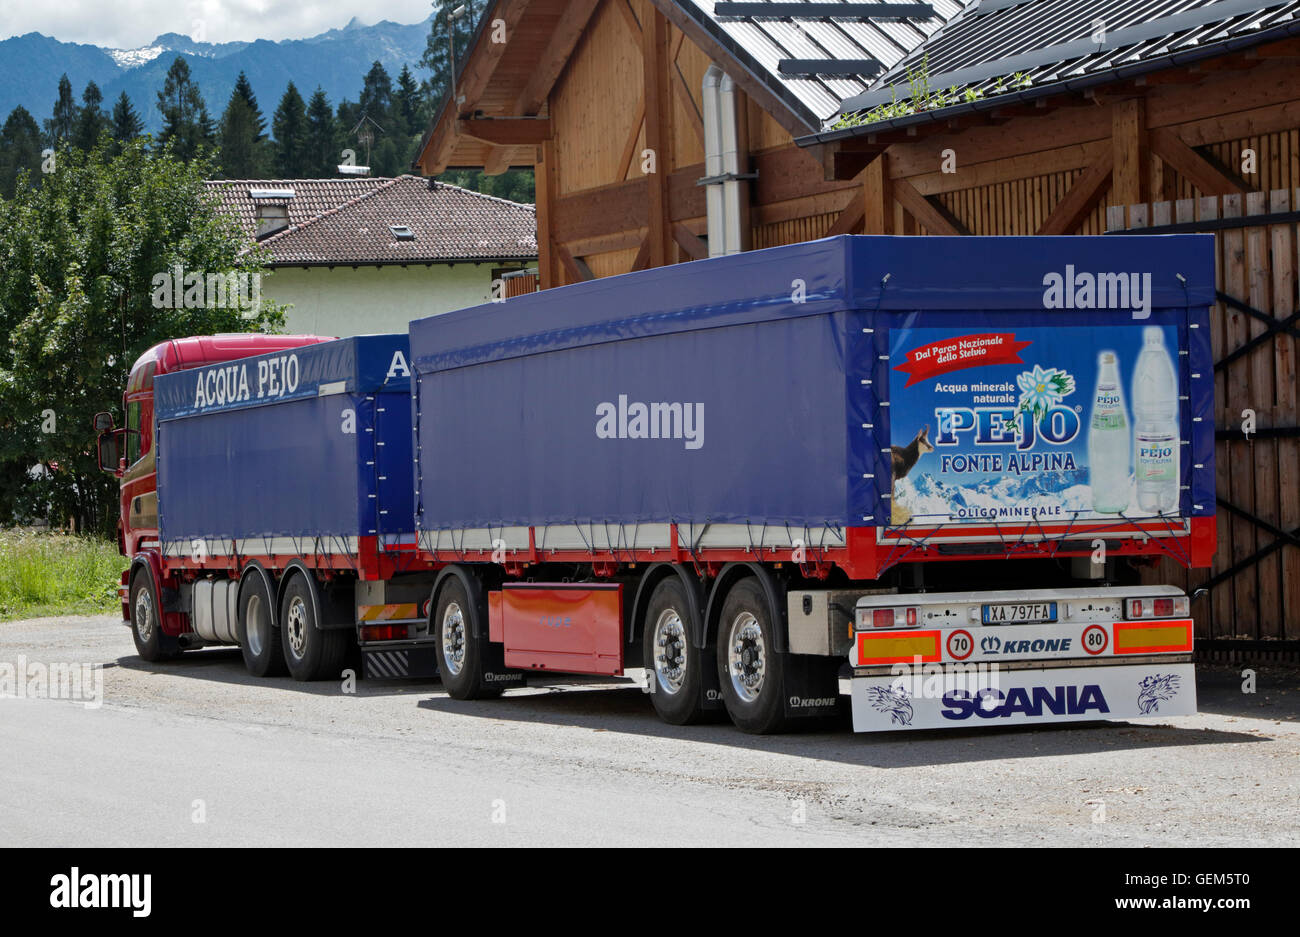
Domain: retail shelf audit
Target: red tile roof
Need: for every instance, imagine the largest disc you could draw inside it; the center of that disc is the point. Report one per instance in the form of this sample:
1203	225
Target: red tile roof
346	221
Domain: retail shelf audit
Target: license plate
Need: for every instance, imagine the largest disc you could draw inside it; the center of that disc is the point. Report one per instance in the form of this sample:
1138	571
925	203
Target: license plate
1019	613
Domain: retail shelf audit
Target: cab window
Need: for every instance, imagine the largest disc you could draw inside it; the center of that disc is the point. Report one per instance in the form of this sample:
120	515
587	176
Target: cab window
133	438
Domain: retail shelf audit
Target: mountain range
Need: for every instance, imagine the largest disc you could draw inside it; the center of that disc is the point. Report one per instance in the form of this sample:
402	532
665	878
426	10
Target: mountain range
335	60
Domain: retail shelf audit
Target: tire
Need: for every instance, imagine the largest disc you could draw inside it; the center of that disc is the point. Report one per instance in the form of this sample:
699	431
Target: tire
146	622
259	637
462	658
672	662
311	653
750	670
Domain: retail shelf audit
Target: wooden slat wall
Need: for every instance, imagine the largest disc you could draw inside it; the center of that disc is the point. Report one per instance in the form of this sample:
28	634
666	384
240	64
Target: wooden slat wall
1018	207
1257	265
794	231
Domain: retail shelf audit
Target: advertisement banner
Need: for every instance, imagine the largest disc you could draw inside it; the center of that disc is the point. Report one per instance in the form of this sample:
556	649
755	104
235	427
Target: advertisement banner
1034	424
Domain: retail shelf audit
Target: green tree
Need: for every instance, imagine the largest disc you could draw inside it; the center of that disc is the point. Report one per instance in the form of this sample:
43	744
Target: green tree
516	185
377	96
91	119
290	128
20	150
64	119
127	124
322	138
407	103
186	123
78	263
242	134
244	89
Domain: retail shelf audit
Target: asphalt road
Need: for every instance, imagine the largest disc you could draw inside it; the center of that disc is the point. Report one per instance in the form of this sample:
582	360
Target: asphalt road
196	752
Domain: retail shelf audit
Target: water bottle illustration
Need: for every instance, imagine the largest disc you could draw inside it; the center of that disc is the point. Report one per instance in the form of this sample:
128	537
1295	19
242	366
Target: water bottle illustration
1155	425
1108	440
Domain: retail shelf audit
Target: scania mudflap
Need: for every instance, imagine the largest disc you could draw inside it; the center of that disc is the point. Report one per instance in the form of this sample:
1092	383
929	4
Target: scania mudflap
967	660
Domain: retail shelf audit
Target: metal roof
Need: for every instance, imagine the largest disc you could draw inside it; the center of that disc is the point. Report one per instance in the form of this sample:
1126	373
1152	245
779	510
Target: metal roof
764	42
1002	46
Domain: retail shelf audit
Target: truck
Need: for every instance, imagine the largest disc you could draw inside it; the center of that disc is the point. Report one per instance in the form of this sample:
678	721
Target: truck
913	479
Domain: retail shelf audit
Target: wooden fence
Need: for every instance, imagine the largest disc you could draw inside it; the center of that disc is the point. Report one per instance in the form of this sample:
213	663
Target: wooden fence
1254	587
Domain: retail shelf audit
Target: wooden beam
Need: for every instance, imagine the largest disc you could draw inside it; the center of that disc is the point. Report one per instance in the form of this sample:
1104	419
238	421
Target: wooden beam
851	219
564	39
688	242
658	133
546	184
844	159
600	211
634	134
1129	141
576	273
877	197
1082	198
936	218
625	7
499	160
642	258
1208	178
968	176
520	131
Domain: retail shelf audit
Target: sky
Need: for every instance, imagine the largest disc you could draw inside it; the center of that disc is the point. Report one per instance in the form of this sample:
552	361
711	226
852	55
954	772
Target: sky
129	24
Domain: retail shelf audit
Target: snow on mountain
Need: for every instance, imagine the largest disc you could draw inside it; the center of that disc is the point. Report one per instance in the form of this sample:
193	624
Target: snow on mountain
132	58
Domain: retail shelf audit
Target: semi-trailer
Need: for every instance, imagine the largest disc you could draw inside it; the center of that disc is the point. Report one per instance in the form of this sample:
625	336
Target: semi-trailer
924	470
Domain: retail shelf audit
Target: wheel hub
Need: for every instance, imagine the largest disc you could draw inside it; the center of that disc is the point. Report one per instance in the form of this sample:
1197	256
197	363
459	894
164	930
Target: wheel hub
296	627
144	615
670	651
453	638
747	657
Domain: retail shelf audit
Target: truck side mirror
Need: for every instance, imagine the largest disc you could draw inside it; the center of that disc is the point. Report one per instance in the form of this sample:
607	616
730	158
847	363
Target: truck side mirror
103	421
110	451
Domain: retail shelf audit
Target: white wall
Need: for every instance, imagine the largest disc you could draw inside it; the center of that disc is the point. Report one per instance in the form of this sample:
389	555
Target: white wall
343	301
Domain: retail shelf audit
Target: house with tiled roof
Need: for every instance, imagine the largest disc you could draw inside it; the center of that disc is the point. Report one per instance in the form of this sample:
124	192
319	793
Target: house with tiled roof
356	255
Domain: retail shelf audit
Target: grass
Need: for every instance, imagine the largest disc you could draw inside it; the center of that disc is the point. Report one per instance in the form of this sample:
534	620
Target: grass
57	574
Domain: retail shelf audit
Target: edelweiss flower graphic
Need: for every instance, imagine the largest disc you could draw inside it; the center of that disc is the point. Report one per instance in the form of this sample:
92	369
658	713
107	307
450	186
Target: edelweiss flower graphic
1041	389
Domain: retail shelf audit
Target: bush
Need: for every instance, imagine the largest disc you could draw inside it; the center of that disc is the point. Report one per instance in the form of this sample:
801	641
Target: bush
57	574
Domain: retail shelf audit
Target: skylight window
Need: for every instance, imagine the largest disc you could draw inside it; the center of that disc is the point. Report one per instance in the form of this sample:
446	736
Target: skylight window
402	232
270	193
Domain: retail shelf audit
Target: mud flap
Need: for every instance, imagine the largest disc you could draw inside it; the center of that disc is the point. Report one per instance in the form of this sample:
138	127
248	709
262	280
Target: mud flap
710	691
495	671
812	686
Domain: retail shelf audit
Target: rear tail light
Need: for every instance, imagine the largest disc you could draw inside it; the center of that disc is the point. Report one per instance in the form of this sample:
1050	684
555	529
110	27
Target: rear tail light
383	632
905	617
1170	607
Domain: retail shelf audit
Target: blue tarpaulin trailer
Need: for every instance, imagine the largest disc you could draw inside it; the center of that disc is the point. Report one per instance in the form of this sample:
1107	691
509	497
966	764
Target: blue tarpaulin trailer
757	399
306	450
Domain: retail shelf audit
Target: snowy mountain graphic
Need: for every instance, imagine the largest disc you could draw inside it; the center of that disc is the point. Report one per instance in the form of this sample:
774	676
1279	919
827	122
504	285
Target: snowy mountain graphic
931	499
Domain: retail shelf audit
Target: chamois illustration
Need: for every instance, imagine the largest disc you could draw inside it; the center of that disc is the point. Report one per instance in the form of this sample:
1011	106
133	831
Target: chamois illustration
903	458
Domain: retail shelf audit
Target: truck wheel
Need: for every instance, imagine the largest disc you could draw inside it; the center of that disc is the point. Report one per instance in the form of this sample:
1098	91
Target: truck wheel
461	656
749	668
259	638
310	652
670	659
146	622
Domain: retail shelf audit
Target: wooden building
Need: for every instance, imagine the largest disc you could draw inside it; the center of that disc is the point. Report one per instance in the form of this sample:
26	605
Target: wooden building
1000	117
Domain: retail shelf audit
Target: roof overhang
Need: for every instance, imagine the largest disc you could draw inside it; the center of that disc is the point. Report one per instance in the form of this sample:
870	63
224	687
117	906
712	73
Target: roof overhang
871	138
502	87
